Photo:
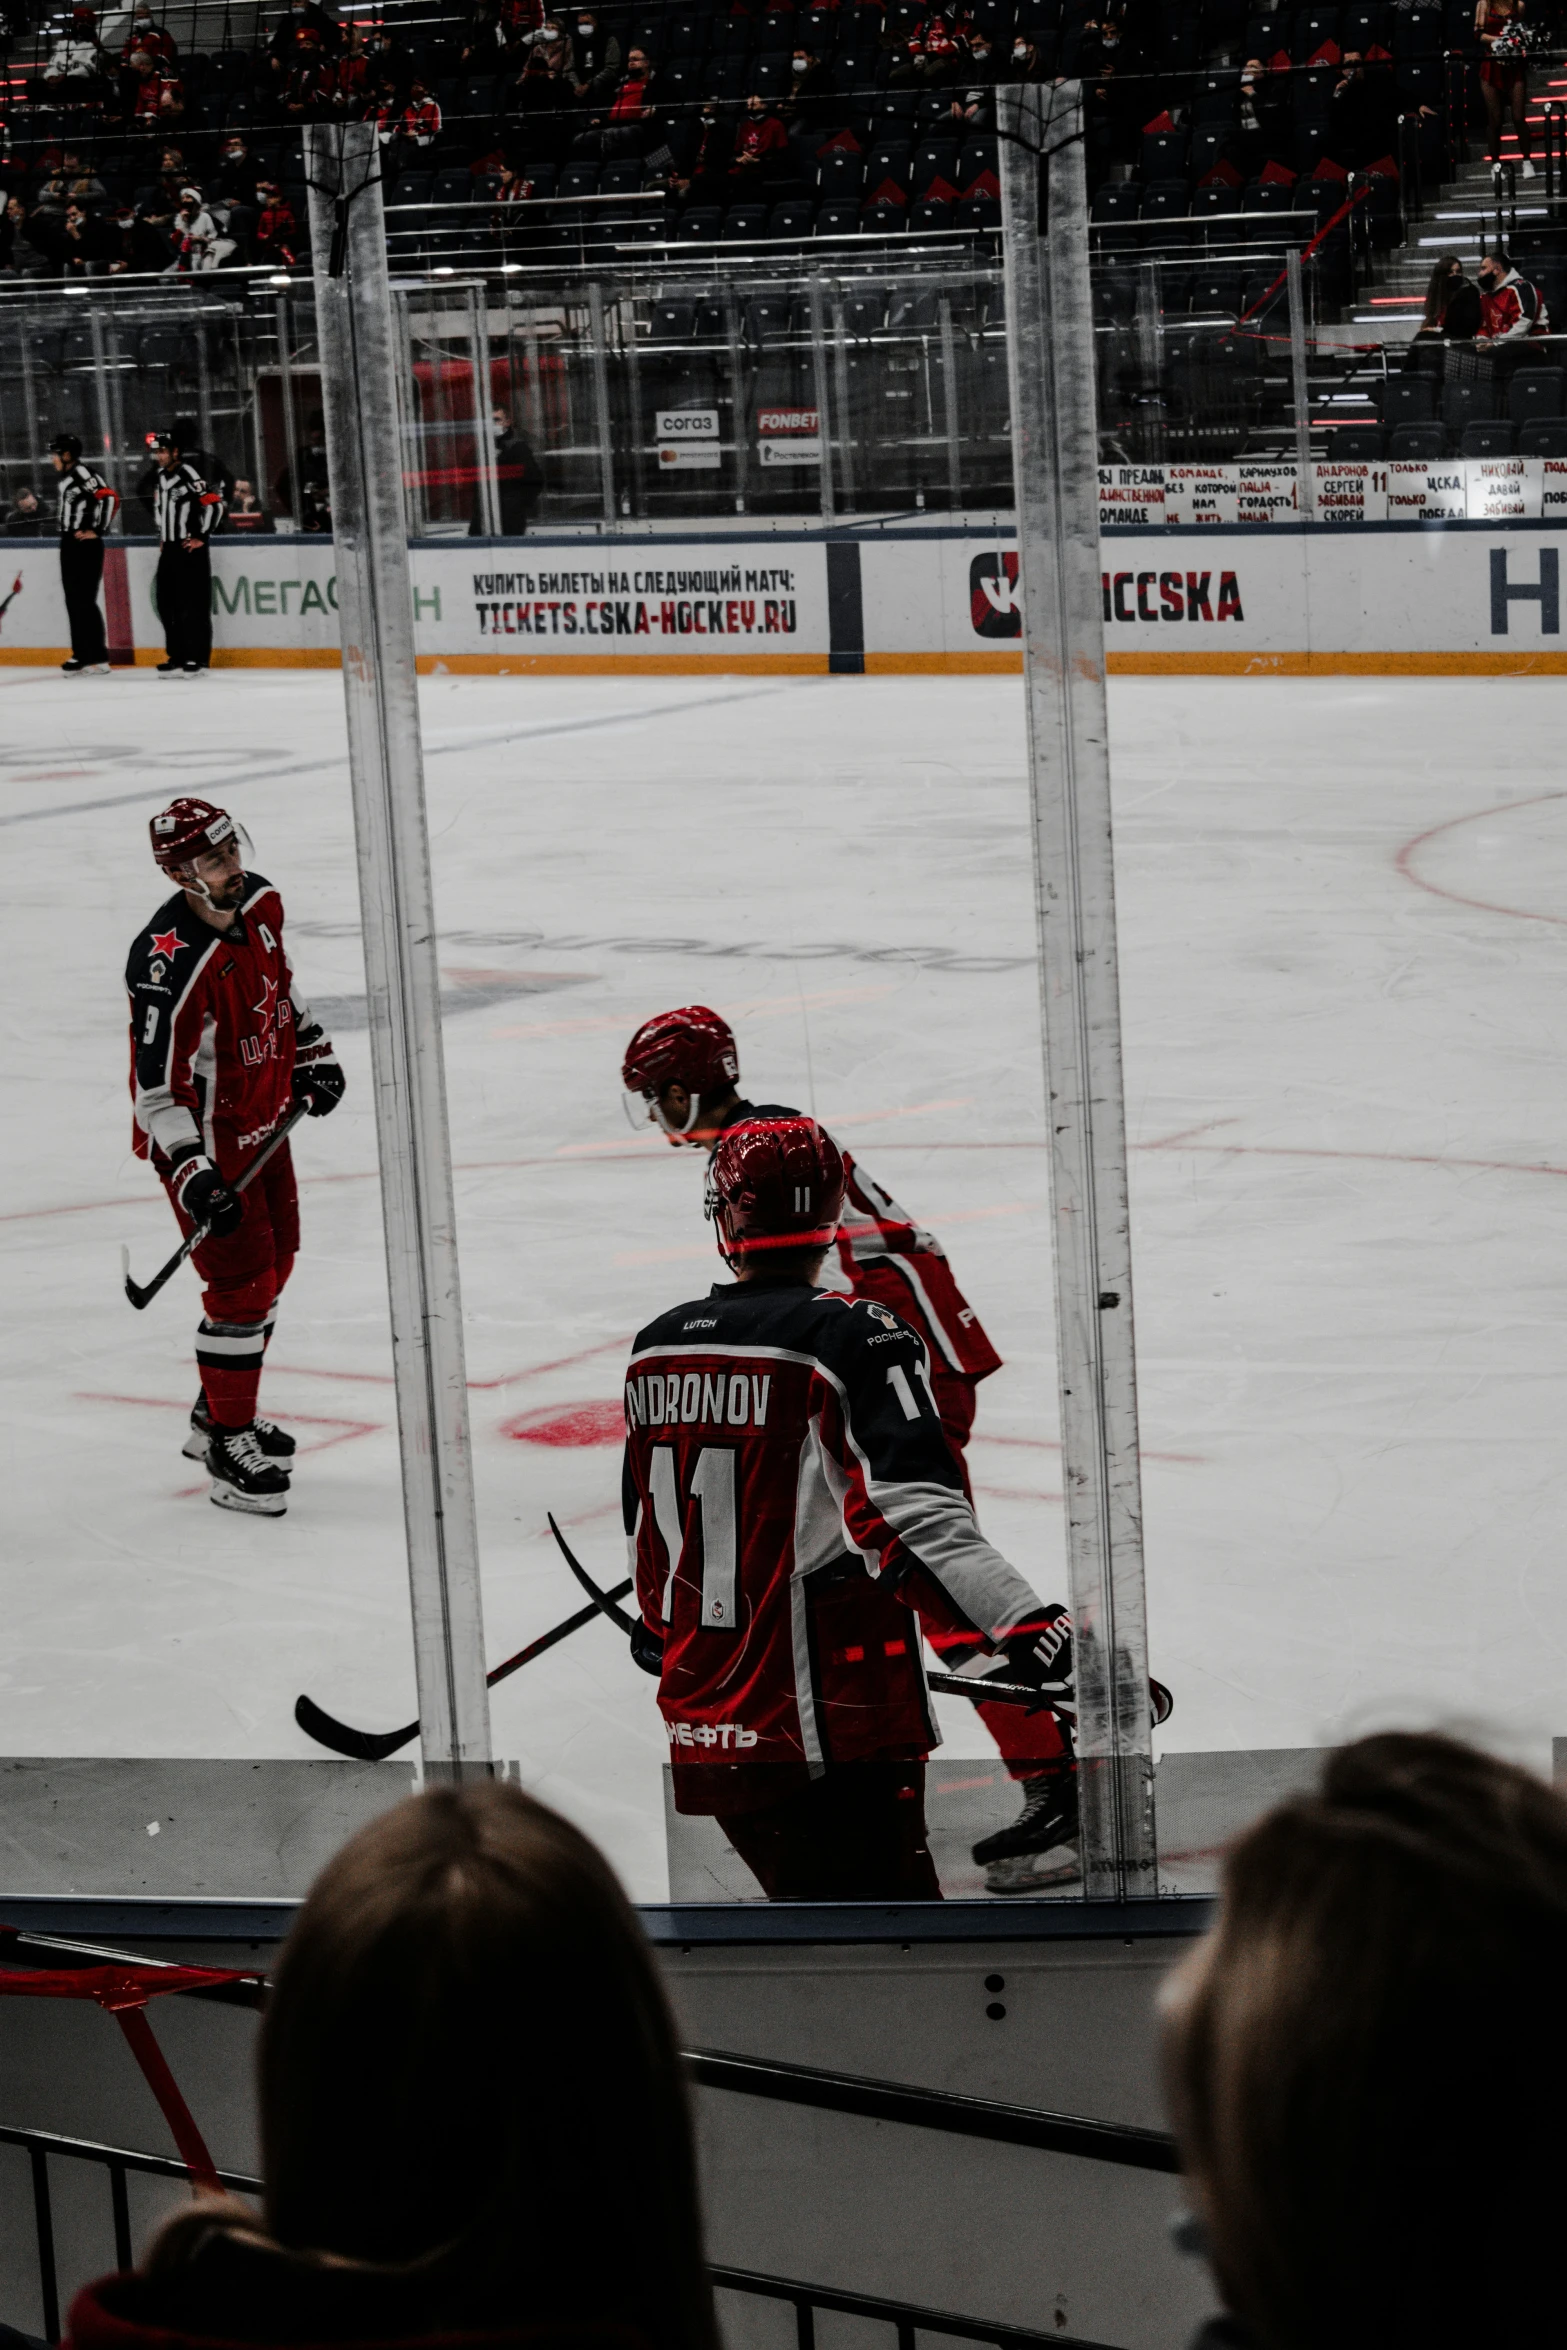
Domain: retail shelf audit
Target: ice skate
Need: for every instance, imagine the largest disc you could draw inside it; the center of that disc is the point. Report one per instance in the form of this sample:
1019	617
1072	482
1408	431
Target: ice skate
275	1442
1039	1848
242	1476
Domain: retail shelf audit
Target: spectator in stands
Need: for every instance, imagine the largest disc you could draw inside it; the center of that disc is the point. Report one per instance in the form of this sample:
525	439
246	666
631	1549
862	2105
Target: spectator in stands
246	512
630	126
313	511
235	182
1366	2061
594	52
82	181
353	80
143	247
934	54
148	35
277	232
469	1992
311	85
198	242
419	124
25	516
1028	63
974	100
761	152
385	112
1504	75
32	245
160	94
1512	307
303	16
1263	132
485	48
86	245
75	57
1365	113
519	480
1452	312
546	96
704	175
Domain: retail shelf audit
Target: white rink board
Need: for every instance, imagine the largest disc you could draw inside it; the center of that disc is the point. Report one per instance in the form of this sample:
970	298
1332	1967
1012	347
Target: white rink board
1340	909
1208	596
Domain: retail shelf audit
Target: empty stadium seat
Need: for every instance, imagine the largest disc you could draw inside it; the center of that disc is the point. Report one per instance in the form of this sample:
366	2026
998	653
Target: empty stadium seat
578	179
882	219
840	174
700	224
1547	437
839	218
673	321
929	213
767	318
1408	399
1535	392
1415	444
744	223
413	187
978	212
1464	404
453	186
934	159
1487	437
1164	155
795	217
1358	444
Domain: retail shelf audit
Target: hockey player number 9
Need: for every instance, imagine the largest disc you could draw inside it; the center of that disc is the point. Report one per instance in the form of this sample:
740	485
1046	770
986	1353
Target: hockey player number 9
713	1491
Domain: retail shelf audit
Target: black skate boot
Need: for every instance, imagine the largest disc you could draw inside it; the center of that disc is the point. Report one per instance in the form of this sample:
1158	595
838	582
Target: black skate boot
274	1441
1039	1849
242	1476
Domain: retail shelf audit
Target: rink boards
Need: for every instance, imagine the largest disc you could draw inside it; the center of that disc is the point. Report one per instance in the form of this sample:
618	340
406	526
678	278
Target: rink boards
1215	596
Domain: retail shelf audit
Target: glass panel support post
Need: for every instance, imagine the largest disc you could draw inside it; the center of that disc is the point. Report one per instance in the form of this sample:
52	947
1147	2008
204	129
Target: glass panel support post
358	348
601	424
949	405
108	453
1299	387
1050	356
739	418
823	402
483	406
285	381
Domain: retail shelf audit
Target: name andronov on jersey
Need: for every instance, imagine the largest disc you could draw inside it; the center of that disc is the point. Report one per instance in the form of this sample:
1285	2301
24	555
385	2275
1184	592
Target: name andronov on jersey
735	1401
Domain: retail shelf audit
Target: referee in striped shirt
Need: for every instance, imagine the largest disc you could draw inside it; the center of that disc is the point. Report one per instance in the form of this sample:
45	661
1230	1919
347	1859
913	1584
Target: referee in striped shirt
87	508
187	512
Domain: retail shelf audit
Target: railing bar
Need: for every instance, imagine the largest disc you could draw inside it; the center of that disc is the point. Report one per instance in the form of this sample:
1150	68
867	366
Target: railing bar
804	2323
158	2166
124	2257
1121	2143
43	2217
900	2313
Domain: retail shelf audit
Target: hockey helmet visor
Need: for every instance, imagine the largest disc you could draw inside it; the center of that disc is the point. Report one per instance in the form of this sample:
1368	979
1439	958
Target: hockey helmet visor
692	1047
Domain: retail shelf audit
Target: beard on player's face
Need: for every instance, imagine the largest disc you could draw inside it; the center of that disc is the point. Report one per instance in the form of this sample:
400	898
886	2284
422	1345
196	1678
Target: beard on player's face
219	886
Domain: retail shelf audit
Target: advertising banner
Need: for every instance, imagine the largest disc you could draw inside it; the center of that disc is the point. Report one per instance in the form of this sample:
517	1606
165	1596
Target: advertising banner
1353	593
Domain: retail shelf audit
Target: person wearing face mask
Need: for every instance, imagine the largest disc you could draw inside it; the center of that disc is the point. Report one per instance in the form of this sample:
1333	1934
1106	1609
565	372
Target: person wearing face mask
810	110
596	52
1028	65
1512	308
974	100
705	180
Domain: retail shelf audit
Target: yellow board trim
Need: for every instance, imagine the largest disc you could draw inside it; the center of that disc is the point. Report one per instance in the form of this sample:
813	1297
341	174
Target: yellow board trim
954	664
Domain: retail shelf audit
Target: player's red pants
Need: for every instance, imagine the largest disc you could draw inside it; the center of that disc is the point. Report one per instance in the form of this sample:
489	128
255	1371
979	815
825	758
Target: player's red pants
1025	1741
242	1278
857	1834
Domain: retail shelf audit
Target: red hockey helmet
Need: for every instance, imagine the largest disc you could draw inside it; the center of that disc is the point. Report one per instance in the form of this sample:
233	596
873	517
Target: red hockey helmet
185	829
692	1047
775	1183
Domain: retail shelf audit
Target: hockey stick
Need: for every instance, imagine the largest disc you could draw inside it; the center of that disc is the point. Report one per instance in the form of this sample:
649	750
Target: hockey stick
376	1745
982	1692
141	1297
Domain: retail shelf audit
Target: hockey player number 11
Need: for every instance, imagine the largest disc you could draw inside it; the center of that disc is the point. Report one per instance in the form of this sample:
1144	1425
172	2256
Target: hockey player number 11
713	1491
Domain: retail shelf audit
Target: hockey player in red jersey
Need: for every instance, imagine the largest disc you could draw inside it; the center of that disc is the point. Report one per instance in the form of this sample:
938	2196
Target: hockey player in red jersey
682	1070
221	1046
797	1519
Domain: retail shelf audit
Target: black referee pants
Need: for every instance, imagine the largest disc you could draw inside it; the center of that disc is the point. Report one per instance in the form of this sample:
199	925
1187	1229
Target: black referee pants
81	576
185	603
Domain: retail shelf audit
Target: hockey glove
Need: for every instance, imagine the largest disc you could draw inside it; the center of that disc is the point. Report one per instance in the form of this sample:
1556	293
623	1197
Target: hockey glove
201	1193
318	1074
1039	1654
647	1647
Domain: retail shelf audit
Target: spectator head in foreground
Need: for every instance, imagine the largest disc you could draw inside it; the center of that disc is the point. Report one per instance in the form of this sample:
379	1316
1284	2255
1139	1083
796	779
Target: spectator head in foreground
473	2113
1366	2060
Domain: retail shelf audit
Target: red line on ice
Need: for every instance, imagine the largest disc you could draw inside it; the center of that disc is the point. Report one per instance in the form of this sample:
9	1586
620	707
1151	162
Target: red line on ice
1404	862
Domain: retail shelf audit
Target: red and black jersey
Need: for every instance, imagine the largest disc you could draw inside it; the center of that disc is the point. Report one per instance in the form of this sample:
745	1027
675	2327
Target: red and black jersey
793	1511
214	1019
884	1254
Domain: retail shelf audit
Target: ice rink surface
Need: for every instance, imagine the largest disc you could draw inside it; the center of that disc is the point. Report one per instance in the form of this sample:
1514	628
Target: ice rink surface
1343	912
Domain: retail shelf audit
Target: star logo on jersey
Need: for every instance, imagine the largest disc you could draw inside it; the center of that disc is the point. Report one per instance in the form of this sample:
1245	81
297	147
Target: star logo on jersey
265	1007
166	942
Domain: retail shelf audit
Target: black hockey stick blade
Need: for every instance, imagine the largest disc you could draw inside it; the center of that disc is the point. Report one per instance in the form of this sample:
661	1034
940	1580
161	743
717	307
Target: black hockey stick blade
140	1296
601	1599
985	1692
376	1745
